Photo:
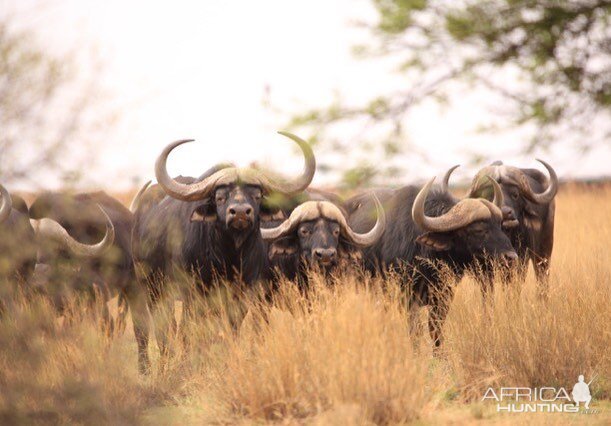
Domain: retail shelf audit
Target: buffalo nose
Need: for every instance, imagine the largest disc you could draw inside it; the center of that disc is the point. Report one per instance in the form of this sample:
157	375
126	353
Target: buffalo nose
509	218
240	216
240	210
325	255
507	212
510	256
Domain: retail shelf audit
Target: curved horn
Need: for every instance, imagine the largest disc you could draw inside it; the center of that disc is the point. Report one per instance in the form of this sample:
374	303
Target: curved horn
7	204
446	177
138	197
199	190
418	214
176	189
499	198
302	182
270	234
548	195
371	237
48	228
461	214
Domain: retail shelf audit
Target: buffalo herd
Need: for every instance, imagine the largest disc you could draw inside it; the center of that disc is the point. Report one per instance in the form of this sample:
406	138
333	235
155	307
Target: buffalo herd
246	226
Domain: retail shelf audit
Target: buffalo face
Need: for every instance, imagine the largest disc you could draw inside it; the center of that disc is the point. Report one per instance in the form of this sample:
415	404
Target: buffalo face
317	231
480	240
523	203
235	208
316	241
514	208
471	230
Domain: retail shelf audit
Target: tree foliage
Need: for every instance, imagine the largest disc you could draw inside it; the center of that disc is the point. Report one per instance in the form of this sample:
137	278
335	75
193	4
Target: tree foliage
47	118
550	59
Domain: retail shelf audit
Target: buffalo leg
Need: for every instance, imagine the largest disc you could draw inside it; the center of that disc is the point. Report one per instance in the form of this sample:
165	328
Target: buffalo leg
162	310
415	327
122	310
541	267
187	316
436	319
140	320
486	284
95	302
438	310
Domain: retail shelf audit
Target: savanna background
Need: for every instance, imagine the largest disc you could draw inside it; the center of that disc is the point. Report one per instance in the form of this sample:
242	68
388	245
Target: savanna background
389	92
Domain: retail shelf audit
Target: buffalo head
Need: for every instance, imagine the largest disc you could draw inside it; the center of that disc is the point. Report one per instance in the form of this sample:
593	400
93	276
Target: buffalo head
521	202
471	229
49	230
317	231
231	196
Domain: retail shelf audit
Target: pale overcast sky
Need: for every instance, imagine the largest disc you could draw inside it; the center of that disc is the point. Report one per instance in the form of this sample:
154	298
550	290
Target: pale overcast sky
198	69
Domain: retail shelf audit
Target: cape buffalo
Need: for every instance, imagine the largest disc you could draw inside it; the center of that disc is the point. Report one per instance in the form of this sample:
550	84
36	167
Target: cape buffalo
316	234
23	237
209	226
428	229
100	265
528	212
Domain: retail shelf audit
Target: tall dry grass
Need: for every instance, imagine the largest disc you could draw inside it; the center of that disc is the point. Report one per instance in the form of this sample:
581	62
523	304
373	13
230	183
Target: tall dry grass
54	373
340	355
525	341
343	346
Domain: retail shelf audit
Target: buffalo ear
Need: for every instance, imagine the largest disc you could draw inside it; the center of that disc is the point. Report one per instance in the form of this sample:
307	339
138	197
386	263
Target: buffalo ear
435	241
531	211
204	213
349	252
532	218
271	215
282	247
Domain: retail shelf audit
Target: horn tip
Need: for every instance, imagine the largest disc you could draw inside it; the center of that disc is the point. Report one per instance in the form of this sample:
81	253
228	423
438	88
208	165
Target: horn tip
292	136
180	142
549	168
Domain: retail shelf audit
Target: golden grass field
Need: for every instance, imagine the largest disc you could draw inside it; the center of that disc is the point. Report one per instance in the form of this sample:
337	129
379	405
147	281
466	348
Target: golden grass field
341	356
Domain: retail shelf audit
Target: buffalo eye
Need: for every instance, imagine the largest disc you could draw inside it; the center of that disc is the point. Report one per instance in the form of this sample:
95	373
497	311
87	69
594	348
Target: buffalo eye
479	231
255	193
336	232
221	197
304	231
514	194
